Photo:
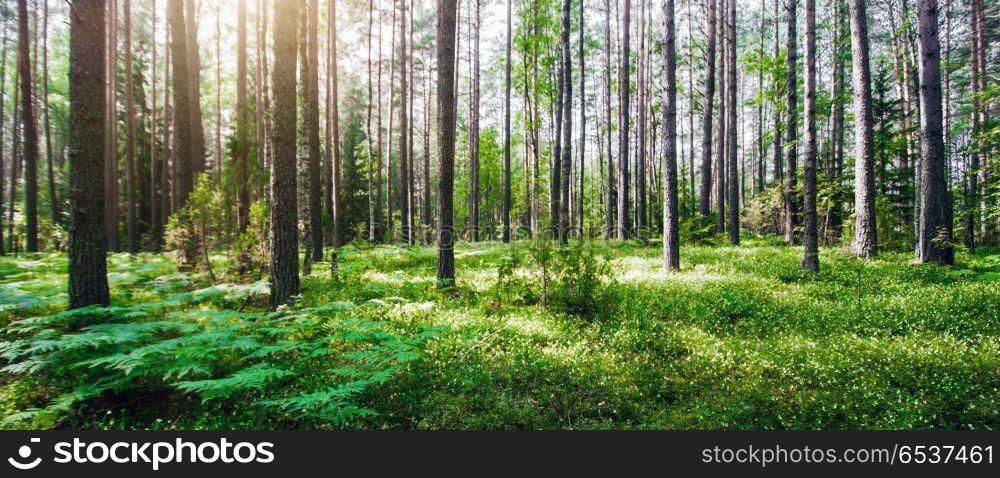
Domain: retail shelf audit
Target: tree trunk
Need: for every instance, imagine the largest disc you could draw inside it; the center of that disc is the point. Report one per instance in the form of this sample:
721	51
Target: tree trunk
3	102
131	176
865	240
88	269
671	242
446	139
474	214
705	200
836	171
155	206
734	181
567	129
182	103
404	169
611	200
935	224
311	109
111	132
624	221
506	128
284	168
30	126
721	151
332	179
194	83
53	197
791	128
242	122
973	201
810	260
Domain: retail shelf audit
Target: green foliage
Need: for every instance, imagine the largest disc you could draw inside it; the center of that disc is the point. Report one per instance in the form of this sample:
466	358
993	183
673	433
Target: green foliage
305	366
581	278
740	338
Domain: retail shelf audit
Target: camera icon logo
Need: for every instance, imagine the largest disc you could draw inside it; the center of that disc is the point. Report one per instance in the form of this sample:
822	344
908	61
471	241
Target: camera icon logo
25	452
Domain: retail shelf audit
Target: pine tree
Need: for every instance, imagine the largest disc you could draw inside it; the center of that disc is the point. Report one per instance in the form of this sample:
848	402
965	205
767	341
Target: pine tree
88	269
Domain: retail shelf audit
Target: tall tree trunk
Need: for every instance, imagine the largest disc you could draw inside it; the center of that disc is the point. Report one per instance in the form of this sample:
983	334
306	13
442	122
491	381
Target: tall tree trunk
935	224
53	196
721	151
284	168
242	122
111	132
217	165
332	179
131	176
506	129
972	199
705	200
838	117
446	139
311	108
611	200
88	269
671	234
567	129
404	169
3	91
865	240
194	84
583	123
640	160
30	126
734	180
474	214
791	128
182	143
776	159
624	221
810	260
155	194
373	212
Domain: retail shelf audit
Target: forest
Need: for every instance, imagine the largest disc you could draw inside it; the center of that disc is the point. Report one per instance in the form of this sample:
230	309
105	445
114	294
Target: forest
499	214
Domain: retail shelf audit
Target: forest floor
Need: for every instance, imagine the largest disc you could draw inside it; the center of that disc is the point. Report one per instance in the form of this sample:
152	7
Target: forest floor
600	337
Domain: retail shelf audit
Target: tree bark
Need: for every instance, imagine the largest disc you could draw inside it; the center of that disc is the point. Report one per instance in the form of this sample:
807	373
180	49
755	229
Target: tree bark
284	168
671	241
315	203
705	200
935	224
30	125
446	139
182	103
810	260
88	269
3	102
734	185
506	128
406	219
567	129
242	122
111	141
624	220
865	240
194	83
791	127
332	179
131	176
53	196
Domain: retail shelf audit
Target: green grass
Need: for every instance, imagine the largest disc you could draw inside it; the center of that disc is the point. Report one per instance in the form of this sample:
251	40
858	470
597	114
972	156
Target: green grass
741	338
